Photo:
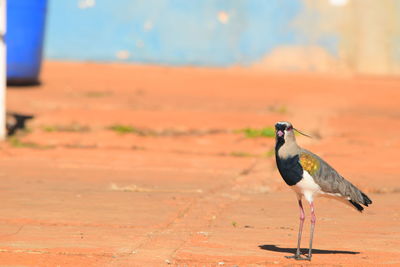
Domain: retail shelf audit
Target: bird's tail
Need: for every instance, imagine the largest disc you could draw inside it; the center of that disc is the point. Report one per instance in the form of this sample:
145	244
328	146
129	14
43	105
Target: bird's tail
365	200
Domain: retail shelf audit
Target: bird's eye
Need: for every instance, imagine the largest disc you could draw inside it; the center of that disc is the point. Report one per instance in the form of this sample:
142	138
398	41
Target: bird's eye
289	128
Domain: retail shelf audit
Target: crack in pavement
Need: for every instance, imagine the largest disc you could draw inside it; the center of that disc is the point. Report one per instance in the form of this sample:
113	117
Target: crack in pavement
223	203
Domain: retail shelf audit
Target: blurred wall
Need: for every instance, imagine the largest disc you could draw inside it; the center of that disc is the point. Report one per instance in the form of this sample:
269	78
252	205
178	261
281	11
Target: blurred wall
317	35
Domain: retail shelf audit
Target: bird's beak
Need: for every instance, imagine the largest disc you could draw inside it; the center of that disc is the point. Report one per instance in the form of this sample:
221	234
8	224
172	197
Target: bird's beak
279	133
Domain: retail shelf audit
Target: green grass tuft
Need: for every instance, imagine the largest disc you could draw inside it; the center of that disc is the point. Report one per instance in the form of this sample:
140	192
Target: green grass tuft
123	129
66	128
16	142
241	154
49	128
267	132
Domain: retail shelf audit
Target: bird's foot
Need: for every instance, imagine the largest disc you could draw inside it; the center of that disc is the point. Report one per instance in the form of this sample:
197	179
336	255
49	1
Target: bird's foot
299	257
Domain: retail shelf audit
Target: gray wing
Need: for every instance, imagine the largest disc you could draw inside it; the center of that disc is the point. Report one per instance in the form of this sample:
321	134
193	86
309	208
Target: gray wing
332	182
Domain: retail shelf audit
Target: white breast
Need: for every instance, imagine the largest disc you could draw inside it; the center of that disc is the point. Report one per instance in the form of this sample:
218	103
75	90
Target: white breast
307	187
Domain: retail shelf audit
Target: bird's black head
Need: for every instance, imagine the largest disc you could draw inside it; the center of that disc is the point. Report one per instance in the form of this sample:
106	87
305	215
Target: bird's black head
284	133
282	128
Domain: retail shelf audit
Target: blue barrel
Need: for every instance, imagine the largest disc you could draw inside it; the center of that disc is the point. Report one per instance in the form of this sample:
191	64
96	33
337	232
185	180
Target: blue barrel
24	40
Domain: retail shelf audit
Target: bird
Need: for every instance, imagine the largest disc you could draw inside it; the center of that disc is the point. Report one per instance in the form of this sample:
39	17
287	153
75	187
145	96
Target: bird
16	121
310	176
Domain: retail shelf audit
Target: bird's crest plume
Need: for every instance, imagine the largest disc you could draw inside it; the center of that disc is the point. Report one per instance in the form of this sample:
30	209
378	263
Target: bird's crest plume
301	133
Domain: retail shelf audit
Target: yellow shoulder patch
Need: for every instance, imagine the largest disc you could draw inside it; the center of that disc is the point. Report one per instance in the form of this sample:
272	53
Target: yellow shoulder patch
309	163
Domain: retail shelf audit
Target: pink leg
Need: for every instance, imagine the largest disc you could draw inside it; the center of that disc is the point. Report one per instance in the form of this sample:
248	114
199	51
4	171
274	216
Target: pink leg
313	220
302	217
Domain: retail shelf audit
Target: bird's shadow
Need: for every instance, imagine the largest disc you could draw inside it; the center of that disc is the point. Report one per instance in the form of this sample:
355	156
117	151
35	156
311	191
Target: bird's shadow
314	251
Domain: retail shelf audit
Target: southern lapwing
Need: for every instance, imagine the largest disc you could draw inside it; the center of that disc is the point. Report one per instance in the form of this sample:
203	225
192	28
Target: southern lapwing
309	176
15	122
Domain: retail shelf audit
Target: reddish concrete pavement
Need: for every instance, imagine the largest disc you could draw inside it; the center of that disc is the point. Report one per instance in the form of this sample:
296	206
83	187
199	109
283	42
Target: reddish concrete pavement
185	189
